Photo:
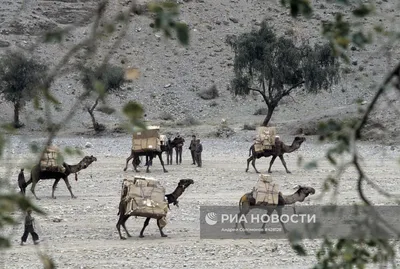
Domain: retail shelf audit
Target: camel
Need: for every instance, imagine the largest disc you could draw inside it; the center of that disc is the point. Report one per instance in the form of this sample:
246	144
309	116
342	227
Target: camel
247	203
37	175
172	198
149	158
277	150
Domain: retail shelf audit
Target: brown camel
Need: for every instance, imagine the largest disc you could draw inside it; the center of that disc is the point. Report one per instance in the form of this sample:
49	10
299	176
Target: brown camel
172	198
37	175
247	203
277	150
149	158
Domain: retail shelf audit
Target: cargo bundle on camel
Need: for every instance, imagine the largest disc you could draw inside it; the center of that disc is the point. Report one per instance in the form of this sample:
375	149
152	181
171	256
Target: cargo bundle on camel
50	160
147	143
265	139
145	197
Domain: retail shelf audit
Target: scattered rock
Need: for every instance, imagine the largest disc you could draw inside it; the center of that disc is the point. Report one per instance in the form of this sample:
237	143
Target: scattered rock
88	145
234	20
4	44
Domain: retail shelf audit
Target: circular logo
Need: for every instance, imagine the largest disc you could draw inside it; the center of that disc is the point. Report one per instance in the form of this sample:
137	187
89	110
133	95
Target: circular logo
211	218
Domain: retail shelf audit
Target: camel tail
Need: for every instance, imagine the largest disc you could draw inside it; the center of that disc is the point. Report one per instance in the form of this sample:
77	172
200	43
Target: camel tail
250	151
26	184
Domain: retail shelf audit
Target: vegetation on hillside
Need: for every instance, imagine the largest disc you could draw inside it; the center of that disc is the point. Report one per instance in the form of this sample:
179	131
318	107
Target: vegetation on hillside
274	66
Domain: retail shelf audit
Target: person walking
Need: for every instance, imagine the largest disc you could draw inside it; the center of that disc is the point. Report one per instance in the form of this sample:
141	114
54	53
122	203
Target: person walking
29	229
192	148
199	150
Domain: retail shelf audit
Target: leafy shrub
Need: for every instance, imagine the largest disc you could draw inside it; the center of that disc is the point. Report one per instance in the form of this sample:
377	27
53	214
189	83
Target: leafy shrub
261	111
249	127
188	121
210	93
166	116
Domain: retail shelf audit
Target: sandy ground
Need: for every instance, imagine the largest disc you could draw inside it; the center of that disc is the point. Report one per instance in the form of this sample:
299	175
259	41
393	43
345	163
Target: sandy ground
86	237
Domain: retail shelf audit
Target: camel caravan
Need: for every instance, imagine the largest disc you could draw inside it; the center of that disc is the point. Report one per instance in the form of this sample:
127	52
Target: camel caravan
146	197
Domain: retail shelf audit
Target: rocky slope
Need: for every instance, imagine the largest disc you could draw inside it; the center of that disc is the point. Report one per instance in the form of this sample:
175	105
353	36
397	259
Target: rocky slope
173	76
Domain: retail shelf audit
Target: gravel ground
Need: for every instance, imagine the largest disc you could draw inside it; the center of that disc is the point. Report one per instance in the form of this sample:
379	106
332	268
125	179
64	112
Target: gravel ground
86	236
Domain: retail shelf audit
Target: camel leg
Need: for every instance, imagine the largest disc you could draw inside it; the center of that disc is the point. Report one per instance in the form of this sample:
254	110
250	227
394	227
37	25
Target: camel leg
243	212
148	164
162	163
134	164
253	163
121	221
271	162
54	187
33	189
263	226
69	187
160	228
279	211
284	164
146	222
127	161
248	162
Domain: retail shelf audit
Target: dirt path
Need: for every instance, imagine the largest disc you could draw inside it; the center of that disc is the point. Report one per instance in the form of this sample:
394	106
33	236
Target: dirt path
86	237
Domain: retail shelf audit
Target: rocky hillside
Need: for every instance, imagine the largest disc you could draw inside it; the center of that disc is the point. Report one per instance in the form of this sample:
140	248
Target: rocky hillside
173	77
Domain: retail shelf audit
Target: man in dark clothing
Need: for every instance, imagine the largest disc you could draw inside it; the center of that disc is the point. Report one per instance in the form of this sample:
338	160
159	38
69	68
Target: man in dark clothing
192	148
178	142
29	229
170	148
199	150
21	181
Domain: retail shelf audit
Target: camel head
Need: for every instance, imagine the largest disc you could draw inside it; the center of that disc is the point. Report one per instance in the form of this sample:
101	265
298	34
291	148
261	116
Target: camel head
305	190
184	183
299	139
87	160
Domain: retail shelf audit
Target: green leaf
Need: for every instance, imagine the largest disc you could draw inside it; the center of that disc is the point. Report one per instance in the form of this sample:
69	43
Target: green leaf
363	10
8	127
36	103
110	28
133	111
54	37
311	165
299	250
182	31
48	96
2	144
34	147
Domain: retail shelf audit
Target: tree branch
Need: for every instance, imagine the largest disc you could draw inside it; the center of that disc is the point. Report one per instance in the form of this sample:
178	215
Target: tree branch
262	94
287	92
394	73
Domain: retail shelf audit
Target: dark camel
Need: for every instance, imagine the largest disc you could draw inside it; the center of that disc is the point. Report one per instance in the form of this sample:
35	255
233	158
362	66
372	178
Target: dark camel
37	175
172	198
149	158
247	203
277	150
